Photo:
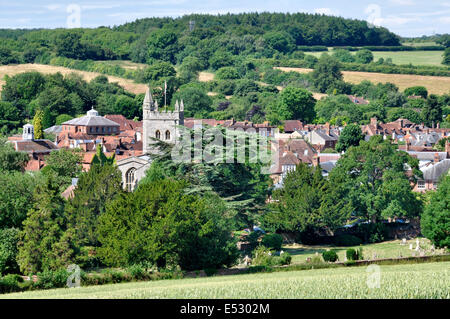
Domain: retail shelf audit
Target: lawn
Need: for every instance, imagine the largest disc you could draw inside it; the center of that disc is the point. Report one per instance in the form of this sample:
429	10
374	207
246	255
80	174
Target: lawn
428	280
387	249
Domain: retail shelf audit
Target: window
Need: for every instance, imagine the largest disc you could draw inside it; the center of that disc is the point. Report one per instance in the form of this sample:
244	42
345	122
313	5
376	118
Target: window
130	179
91	129
96	129
167	135
158	135
421	184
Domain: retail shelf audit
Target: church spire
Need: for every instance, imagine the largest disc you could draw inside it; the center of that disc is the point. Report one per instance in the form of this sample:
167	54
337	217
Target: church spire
148	100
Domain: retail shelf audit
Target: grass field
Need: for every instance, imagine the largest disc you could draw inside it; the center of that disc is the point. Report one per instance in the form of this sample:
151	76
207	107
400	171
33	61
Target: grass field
403	57
11	70
434	84
387	249
428	280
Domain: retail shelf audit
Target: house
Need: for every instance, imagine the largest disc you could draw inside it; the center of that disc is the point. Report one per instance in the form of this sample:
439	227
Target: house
357	100
37	149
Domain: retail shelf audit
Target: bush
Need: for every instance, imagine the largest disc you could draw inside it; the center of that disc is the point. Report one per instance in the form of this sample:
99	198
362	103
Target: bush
137	272
284	259
210	271
262	256
49	279
273	241
347	240
10	283
330	256
351	254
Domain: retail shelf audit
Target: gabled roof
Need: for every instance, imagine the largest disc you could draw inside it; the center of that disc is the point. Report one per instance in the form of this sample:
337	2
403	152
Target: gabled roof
35	146
436	170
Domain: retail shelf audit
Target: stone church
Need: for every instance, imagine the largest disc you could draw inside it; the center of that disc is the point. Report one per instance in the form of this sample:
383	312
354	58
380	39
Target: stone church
157	124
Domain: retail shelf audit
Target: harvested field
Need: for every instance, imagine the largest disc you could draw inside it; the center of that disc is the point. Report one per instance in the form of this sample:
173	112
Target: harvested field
434	84
11	70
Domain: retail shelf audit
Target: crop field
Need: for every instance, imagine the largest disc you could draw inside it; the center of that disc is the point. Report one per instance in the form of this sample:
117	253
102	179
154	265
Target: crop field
429	280
387	249
434	84
402	57
11	70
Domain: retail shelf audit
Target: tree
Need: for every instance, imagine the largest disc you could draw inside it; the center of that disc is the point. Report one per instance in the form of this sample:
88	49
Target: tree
196	102
280	41
9	238
296	104
37	123
163	45
160	223
371	182
16	197
40	246
65	164
227	73
326	73
157	71
95	189
446	55
10	160
62	118
432	112
343	55
221	59
9	116
435	221
101	159
417	91
68	44
364	56
350	136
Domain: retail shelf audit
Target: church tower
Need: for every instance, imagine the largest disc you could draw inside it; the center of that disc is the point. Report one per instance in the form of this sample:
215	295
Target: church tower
161	125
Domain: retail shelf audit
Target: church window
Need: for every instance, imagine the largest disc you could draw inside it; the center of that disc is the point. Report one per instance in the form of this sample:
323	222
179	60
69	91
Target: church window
158	134
167	135
130	179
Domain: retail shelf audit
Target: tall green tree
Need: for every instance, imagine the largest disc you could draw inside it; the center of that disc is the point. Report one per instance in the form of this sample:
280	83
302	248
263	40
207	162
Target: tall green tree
435	220
95	188
161	224
351	135
372	182
326	73
37	123
432	112
296	104
41	246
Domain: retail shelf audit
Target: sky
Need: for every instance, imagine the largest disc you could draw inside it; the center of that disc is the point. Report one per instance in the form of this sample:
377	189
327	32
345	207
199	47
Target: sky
406	18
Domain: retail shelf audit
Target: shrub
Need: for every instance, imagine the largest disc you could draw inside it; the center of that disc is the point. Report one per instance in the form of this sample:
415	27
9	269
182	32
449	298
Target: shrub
210	271
49	279
273	241
262	256
330	256
284	259
347	240
351	254
10	283
137	272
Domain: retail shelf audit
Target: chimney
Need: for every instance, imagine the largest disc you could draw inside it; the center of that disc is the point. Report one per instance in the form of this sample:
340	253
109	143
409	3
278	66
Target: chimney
437	125
316	160
327	128
436	157
373	121
447	147
407	144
